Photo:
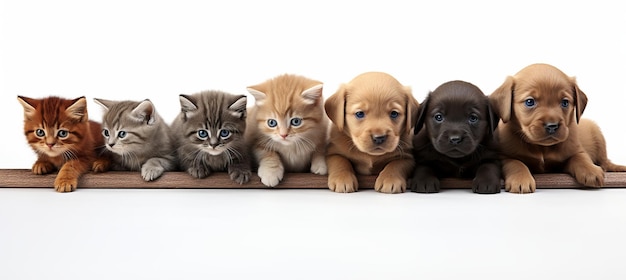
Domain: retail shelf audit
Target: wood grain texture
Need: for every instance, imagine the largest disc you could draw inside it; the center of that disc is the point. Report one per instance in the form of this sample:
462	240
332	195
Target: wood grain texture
23	178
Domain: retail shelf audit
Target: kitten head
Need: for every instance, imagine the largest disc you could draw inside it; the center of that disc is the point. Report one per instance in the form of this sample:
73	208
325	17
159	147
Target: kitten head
55	126
128	126
288	107
213	121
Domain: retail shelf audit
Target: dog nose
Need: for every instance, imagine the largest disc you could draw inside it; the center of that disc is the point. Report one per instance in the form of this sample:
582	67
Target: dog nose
551	127
379	139
455	139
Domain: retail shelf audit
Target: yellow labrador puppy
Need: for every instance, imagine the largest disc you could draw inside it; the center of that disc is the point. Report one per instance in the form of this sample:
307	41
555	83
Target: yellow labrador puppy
541	130
372	117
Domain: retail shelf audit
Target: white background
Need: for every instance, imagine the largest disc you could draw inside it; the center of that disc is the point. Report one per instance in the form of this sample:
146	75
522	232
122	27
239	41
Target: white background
160	49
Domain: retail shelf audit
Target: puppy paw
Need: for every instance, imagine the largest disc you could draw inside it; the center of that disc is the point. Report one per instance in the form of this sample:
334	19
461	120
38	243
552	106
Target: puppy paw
592	177
390	184
520	183
64	183
486	184
426	184
151	172
318	166
344	182
240	176
271	175
43	167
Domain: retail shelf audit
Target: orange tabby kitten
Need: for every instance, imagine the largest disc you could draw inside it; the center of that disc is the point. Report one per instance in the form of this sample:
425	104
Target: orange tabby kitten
63	137
287	128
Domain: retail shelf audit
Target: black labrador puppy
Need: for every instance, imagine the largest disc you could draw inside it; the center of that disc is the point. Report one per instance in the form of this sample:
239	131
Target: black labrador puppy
457	139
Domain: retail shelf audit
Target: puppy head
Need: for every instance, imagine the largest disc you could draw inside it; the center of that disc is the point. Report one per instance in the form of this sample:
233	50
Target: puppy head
457	117
375	110
541	102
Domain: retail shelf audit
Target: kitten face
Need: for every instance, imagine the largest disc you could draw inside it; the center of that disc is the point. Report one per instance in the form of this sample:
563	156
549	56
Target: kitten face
55	126
128	126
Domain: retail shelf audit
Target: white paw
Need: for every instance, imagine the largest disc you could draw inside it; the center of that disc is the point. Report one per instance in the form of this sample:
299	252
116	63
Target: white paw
149	172
319	167
271	175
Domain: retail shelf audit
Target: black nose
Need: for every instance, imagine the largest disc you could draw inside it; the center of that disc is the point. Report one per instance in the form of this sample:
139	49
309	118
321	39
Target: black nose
379	139
455	139
551	127
111	145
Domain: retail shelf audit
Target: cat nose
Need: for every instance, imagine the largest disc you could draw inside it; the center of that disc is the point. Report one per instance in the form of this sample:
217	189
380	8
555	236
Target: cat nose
379	139
284	135
50	145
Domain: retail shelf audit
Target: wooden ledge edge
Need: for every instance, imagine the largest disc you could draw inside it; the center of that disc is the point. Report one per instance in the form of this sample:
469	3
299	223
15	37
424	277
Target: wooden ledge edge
24	178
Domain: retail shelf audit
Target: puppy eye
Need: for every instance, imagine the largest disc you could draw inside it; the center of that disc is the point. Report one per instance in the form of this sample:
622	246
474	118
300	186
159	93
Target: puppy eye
203	134
438	117
473	119
40	132
296	122
272	123
105	133
564	103
530	102
394	114
225	134
63	133
359	114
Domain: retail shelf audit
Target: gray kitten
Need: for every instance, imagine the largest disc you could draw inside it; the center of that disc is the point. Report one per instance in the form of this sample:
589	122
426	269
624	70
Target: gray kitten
209	131
136	138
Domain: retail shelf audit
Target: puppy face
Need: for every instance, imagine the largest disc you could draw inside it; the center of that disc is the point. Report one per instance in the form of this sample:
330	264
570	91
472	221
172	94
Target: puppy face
457	117
375	110
543	102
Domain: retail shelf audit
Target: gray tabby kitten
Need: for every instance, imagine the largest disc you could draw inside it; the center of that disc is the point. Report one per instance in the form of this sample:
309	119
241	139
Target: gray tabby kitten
209	131
136	138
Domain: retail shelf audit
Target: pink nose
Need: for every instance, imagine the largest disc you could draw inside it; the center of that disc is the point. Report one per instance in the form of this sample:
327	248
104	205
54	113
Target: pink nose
284	135
50	145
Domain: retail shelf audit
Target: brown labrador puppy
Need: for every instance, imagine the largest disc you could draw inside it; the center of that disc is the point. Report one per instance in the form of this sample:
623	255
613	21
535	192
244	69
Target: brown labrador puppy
372	117
542	130
457	139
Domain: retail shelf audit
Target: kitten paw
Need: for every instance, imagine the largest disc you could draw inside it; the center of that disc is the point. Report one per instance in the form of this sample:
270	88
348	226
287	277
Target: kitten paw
199	172
271	176
41	168
65	184
319	167
100	165
150	173
240	176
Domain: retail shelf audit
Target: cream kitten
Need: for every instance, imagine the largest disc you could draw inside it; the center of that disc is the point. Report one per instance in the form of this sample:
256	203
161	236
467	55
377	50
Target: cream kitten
287	127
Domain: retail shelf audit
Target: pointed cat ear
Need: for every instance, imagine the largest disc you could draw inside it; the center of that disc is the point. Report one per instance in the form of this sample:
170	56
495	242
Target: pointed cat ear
187	105
238	108
106	104
144	112
78	109
335	107
259	97
313	95
29	106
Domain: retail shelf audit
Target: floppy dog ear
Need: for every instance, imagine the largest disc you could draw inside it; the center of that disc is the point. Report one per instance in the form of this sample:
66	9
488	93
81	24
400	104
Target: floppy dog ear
494	119
421	115
411	109
502	99
580	99
335	107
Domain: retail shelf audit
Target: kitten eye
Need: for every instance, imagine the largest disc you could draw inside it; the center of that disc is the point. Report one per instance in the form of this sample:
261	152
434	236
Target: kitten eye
203	134
359	114
40	132
225	134
530	102
296	122
63	133
394	114
564	103
121	134
272	123
438	117
473	119
106	133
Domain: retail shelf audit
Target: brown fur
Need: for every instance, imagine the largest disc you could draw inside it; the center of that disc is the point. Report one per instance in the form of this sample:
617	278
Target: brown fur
352	148
73	155
528	146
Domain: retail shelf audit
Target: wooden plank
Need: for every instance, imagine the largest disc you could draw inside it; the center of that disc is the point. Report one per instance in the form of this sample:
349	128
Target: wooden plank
23	178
